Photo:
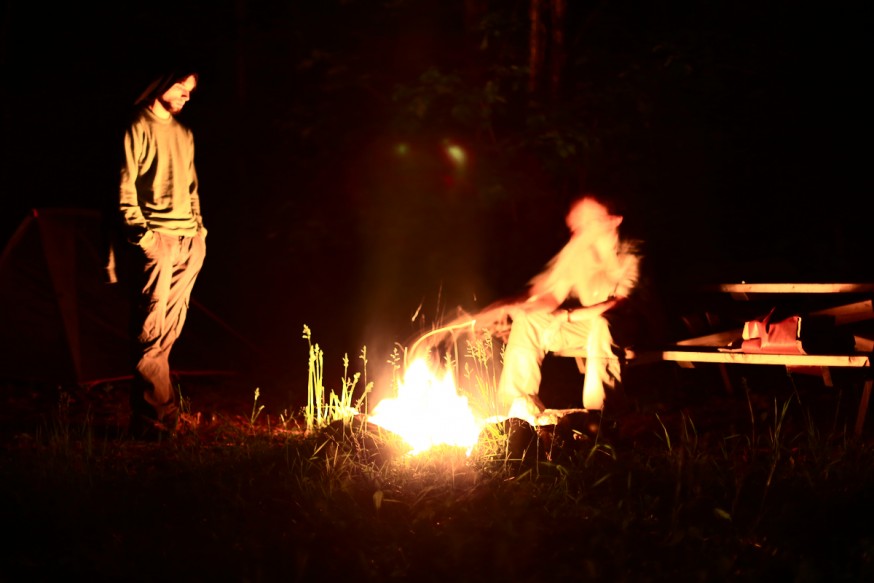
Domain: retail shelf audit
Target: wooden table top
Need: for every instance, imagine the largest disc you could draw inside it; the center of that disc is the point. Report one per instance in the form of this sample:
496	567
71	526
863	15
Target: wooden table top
791	288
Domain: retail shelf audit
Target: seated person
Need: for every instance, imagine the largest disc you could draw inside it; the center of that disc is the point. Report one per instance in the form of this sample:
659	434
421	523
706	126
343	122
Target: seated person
584	300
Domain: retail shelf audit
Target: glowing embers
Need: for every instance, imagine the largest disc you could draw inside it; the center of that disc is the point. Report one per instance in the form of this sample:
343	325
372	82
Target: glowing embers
428	411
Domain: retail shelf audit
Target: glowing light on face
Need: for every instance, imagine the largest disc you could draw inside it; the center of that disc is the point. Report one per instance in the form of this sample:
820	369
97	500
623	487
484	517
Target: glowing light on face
428	411
175	98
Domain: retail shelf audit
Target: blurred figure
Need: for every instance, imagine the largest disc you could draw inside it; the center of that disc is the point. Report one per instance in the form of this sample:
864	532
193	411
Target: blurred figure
159	203
583	300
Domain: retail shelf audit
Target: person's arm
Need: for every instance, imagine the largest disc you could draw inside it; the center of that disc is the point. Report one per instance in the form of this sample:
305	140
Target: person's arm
624	287
194	190
543	302
496	314
589	312
129	205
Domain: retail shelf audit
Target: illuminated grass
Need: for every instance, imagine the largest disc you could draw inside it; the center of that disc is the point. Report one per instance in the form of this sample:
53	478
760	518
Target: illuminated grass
246	498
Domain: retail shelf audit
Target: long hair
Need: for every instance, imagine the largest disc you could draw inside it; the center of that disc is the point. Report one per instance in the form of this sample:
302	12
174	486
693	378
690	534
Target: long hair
160	84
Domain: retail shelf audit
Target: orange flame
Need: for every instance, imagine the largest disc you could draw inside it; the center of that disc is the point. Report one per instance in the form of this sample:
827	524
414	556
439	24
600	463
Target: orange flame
428	411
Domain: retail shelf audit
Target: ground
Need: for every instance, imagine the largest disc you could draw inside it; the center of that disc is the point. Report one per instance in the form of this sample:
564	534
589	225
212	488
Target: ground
659	395
692	484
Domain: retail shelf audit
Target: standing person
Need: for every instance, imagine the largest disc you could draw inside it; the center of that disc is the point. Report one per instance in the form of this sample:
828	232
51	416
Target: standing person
159	202
584	299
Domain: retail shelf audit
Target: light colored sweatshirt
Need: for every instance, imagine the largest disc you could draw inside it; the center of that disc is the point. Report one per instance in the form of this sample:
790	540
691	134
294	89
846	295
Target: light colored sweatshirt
158	187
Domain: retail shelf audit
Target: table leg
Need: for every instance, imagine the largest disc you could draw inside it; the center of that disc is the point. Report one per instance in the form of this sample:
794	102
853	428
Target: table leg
863	406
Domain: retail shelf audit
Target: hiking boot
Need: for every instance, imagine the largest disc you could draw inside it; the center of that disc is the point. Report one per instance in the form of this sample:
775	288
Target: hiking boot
170	420
526	408
146	428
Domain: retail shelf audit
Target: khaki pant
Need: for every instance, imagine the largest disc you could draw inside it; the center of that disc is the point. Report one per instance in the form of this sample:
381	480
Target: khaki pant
172	264
533	335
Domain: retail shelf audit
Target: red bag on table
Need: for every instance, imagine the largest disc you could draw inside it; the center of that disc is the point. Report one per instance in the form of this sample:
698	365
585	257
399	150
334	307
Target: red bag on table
782	337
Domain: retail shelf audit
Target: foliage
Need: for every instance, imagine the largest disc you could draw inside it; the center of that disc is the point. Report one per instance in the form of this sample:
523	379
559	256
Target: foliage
324	408
764	494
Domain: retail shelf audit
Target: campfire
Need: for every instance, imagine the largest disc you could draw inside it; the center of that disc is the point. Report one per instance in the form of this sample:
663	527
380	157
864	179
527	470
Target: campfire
428	411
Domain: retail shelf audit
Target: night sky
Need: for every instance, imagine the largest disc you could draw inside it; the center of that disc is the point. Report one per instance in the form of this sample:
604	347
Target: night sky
734	133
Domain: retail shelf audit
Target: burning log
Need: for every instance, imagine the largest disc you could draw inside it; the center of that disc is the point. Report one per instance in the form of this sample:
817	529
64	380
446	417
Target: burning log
509	441
366	441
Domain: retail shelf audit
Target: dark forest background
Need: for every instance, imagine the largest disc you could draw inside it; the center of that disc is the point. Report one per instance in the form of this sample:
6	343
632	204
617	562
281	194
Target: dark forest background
734	133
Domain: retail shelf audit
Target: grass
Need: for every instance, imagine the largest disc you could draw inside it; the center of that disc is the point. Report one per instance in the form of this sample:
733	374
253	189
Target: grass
768	491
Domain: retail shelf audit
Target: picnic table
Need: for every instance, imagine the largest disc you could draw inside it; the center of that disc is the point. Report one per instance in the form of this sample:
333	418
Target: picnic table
845	305
842	312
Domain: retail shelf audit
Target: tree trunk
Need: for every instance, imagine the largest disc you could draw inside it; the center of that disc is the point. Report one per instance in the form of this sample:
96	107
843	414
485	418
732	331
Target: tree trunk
546	43
557	54
536	45
474	10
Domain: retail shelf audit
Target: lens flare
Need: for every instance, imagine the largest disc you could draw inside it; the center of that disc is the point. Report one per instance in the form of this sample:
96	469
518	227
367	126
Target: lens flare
456	154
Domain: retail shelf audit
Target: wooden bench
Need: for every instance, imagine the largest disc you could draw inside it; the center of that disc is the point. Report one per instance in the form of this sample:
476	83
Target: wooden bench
711	348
